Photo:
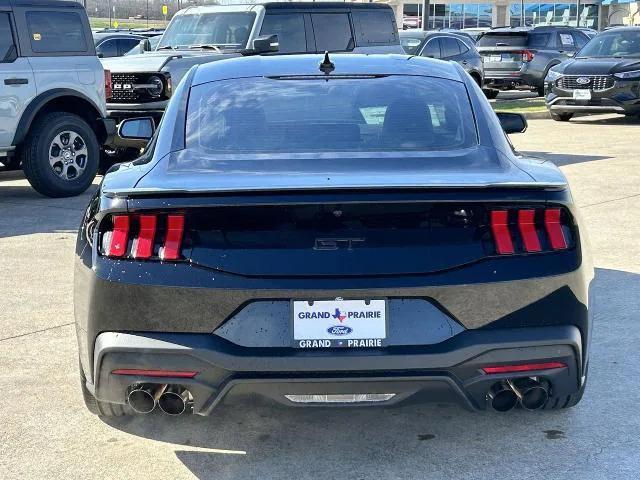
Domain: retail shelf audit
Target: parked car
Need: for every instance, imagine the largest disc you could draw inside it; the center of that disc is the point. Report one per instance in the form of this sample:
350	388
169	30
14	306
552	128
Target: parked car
205	34
445	46
115	44
411	22
604	77
52	100
521	57
138	49
373	240
475	33
589	32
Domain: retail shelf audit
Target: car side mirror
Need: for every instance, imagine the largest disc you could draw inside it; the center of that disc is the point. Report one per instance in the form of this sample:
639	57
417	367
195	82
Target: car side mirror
266	44
135	132
145	45
512	122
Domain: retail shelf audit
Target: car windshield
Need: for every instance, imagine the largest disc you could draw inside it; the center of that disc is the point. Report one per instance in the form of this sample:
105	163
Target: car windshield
263	118
613	44
410	44
223	30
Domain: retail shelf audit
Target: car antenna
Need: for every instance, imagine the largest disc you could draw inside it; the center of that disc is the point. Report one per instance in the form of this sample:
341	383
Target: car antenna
327	65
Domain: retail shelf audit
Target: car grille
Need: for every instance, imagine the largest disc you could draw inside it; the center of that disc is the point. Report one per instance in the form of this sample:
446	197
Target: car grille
122	93
596	82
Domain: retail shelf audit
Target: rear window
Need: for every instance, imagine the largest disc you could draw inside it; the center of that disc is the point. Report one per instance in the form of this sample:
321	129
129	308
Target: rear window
503	40
374	27
56	32
246	118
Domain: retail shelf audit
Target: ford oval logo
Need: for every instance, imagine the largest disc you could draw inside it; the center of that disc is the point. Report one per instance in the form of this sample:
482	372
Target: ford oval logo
339	330
583	80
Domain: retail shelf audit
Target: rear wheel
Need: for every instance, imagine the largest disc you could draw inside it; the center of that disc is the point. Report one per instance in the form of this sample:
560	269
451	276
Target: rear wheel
60	155
95	406
490	93
561	117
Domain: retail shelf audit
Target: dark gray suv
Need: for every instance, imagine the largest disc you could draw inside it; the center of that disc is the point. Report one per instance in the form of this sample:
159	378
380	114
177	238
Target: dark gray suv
445	46
521	57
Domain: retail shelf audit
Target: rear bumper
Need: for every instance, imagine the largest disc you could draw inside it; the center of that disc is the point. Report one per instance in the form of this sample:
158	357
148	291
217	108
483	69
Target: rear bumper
448	372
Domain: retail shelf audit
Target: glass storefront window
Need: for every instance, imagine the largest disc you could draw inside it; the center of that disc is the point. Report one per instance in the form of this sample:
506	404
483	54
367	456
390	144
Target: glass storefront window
556	14
459	15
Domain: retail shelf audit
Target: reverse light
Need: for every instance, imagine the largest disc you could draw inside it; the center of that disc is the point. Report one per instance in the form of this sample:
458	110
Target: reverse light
154	373
525	367
119	236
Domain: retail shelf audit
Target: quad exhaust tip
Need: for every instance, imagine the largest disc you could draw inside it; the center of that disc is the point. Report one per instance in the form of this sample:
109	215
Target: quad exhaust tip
172	399
530	393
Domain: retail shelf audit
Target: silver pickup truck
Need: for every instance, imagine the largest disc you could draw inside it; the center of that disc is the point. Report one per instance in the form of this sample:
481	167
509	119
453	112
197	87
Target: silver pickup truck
142	83
52	95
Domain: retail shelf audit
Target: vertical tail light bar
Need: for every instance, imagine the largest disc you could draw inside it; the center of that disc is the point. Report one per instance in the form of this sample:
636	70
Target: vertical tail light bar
554	228
143	244
527	228
173	240
500	230
119	236
108	84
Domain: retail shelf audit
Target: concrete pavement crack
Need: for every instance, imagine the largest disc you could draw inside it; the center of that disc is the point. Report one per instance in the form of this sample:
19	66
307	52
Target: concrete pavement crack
609	201
36	331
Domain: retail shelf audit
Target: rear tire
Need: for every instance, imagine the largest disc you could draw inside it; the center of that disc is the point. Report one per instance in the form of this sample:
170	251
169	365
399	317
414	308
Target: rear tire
55	168
95	406
561	117
490	93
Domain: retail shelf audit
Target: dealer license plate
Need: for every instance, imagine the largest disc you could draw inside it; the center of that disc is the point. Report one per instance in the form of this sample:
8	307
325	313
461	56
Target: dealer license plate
582	94
339	323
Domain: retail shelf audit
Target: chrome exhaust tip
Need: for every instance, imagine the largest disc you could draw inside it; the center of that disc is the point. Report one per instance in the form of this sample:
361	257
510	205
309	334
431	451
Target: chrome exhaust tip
502	397
174	400
533	394
141	399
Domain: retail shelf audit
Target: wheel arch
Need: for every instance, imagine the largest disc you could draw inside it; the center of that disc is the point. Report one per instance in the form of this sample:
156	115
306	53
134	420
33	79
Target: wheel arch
62	100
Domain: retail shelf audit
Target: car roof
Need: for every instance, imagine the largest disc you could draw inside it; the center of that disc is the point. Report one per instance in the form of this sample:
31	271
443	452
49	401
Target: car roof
345	64
624	28
45	3
241	7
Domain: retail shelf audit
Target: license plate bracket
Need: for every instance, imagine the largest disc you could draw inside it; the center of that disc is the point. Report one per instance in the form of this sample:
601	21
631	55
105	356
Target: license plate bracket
582	94
339	323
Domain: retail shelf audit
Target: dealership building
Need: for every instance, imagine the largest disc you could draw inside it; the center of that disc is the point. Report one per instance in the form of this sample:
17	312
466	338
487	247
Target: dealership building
595	14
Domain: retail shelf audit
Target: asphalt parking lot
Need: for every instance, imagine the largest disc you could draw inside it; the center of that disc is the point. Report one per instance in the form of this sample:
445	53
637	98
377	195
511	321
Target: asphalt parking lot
46	432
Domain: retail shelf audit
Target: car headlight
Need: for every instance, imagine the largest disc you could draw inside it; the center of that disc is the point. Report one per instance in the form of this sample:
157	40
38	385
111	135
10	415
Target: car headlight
158	86
633	74
552	76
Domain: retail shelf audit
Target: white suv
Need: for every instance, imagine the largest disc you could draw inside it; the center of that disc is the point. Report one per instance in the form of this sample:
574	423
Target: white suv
52	95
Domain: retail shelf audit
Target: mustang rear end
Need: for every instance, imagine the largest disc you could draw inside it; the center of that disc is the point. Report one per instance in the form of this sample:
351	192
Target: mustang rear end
300	237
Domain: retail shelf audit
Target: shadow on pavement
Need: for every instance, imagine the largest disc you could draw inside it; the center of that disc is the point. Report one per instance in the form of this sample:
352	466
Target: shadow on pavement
606	120
562	159
431	441
25	211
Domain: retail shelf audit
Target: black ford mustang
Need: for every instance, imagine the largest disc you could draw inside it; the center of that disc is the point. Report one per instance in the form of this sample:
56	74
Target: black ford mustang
354	230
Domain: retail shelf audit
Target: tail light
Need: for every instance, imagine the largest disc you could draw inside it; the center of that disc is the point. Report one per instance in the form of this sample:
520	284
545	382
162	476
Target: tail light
529	230
527	56
156	237
108	84
526	367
